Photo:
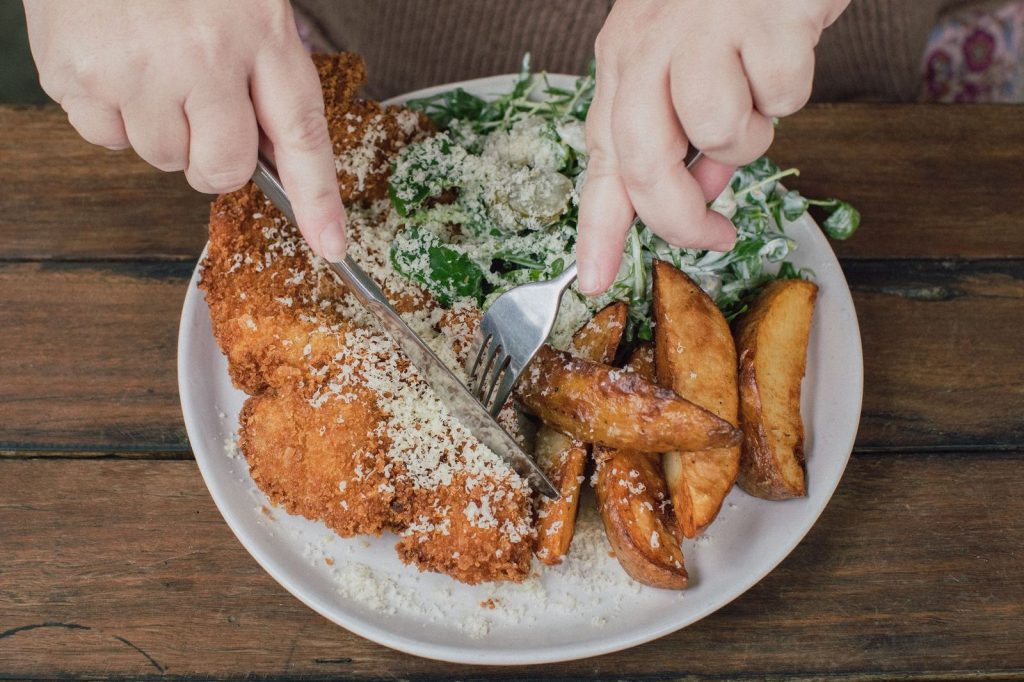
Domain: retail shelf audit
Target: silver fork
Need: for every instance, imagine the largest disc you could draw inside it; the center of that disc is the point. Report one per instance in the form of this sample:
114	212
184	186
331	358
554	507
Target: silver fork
510	334
514	328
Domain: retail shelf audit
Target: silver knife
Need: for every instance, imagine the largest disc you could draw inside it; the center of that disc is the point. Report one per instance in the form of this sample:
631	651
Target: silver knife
449	389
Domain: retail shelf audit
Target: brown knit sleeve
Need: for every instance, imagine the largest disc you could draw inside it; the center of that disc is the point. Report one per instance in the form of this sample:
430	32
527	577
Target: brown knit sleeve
411	44
873	51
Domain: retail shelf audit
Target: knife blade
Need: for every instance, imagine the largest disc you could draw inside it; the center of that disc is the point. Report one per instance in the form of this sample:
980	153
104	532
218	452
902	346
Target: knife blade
452	392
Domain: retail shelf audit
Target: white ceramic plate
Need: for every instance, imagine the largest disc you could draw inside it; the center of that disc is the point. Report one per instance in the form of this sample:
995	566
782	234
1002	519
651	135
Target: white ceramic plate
575	611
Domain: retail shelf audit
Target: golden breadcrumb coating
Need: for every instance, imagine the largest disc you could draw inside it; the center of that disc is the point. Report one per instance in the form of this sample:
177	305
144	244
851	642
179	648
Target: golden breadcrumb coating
339	426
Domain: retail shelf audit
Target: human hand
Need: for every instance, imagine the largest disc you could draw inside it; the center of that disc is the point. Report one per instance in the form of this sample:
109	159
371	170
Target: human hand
191	85
671	74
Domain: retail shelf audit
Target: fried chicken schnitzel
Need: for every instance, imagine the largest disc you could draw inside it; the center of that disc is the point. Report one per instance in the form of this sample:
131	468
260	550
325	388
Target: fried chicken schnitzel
339	426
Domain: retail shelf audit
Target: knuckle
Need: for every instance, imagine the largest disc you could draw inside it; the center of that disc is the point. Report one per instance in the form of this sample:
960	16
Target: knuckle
638	171
161	147
603	46
206	44
51	84
308	130
594	127
275	21
198	184
219	180
166	161
88	72
598	153
103	139
781	92
317	195
715	133
96	132
785	102
600	161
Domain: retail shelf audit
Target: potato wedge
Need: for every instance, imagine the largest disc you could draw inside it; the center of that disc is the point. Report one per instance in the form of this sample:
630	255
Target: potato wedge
772	342
641	361
696	357
634	505
616	408
563	457
598	339
632	497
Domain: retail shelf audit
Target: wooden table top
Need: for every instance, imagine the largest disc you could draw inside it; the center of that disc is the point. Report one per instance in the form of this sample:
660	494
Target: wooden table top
115	563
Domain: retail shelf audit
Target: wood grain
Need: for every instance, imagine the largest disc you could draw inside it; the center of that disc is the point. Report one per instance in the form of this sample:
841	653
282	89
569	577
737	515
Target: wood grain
942	343
88	356
126	568
63	198
930	181
88	359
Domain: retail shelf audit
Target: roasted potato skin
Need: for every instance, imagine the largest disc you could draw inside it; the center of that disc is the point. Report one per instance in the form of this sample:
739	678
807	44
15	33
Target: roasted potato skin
616	408
632	498
564	461
563	457
599	339
772	341
635	506
695	356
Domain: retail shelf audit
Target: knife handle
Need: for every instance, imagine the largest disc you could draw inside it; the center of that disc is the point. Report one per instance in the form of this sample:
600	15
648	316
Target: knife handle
357	281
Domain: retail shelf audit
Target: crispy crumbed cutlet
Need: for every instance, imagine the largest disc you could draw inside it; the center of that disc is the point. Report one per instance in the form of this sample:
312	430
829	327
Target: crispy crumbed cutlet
257	276
493	549
366	135
321	463
339	427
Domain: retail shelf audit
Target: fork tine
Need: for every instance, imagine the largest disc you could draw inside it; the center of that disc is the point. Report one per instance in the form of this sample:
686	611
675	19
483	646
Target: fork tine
508	380
501	364
483	375
476	351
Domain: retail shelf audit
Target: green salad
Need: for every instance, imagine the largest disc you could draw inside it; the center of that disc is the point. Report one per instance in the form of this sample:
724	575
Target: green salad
490	202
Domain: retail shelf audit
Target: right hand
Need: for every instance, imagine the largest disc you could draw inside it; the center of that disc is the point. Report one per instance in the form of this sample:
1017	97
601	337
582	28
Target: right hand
672	73
191	85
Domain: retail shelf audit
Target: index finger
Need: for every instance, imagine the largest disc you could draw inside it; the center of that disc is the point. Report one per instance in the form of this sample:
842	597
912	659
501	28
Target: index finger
605	211
290	109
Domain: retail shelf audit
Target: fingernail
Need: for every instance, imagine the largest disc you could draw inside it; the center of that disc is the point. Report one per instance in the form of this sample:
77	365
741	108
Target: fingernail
586	278
332	242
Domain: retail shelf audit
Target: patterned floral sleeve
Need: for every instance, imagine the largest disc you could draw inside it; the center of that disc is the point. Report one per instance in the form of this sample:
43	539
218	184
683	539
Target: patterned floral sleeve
977	56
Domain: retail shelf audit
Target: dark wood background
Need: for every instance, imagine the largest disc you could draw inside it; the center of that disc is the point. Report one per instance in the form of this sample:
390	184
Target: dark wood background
115	563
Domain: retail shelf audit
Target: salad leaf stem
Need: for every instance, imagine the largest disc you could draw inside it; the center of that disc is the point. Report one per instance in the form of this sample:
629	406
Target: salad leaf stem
766	181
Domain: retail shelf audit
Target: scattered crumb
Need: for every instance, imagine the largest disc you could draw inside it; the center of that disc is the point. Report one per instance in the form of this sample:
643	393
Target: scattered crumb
231	447
588	581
